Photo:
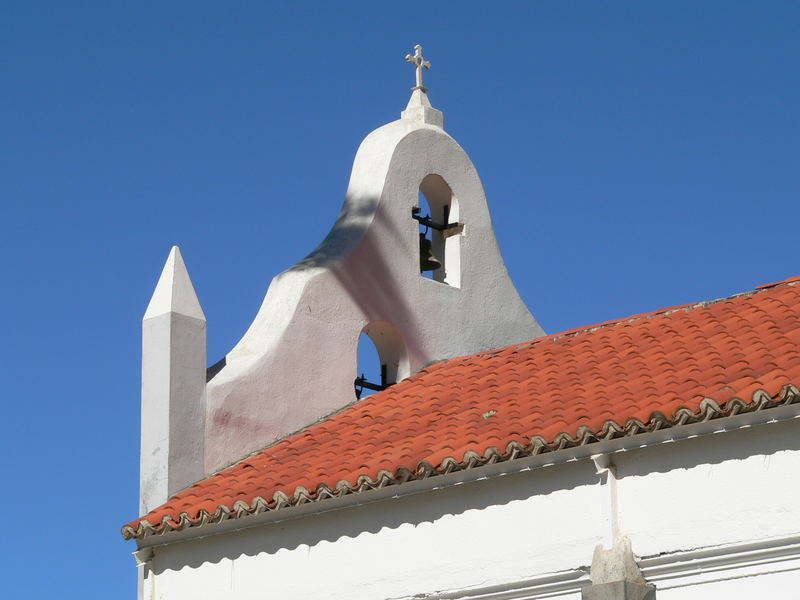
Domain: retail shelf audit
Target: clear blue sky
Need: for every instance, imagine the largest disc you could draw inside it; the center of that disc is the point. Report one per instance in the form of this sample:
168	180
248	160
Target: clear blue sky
635	155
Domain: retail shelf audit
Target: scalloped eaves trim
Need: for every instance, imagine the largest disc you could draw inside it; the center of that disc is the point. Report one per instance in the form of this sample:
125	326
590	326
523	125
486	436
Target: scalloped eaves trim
707	410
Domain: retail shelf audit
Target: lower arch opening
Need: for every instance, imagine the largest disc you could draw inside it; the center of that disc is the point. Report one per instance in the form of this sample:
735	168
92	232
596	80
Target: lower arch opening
382	358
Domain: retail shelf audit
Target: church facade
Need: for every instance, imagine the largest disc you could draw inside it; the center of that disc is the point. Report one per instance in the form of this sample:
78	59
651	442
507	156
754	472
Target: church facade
649	457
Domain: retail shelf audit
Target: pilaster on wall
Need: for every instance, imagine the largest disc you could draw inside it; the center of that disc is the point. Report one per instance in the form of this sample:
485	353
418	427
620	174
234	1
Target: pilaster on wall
616	576
618	590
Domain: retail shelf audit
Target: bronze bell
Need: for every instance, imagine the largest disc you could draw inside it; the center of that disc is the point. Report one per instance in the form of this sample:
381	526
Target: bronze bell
427	260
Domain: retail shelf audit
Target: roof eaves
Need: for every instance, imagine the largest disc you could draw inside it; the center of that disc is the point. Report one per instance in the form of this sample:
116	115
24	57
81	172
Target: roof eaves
707	410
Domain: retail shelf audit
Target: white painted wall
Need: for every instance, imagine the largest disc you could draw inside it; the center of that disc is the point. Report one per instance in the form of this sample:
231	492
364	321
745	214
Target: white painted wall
713	517
297	361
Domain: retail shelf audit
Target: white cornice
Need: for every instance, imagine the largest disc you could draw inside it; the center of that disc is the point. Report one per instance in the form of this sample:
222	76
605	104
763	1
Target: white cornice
583	452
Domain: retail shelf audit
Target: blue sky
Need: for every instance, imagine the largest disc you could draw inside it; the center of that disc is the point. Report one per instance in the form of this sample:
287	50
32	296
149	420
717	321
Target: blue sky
635	155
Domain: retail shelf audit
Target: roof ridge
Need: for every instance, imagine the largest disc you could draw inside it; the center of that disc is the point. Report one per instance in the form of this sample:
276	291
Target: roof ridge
570	333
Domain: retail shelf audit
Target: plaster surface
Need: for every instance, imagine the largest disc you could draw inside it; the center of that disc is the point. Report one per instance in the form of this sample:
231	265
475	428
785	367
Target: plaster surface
297	361
767	586
173	386
482	533
711	490
530	534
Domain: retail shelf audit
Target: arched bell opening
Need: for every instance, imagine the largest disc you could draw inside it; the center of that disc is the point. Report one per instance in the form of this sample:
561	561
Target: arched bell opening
440	231
382	358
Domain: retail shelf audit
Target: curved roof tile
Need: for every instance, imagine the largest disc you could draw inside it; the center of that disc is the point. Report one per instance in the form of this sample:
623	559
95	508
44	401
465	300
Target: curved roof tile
647	372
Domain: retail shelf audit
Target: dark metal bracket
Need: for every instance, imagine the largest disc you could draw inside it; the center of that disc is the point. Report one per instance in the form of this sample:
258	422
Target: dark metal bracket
361	383
426	220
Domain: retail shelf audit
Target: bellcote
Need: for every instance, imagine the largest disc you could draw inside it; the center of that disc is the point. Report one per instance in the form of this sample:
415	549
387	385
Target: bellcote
297	361
411	261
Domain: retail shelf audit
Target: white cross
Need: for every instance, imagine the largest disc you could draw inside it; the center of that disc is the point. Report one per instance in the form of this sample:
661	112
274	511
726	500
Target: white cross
419	63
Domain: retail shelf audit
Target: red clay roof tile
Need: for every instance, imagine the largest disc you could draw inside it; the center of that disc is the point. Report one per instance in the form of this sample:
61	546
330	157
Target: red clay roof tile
620	376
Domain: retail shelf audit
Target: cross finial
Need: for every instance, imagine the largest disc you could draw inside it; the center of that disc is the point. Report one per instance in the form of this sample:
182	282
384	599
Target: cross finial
419	63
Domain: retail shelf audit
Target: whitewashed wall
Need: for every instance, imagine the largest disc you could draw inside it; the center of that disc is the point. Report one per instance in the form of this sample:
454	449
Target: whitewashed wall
367	272
714	517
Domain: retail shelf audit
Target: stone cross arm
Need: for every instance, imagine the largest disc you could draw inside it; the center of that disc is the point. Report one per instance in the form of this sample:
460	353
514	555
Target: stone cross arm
419	62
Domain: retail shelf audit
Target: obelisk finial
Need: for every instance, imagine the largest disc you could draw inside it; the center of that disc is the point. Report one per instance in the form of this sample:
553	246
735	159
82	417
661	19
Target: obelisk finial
173	386
419	62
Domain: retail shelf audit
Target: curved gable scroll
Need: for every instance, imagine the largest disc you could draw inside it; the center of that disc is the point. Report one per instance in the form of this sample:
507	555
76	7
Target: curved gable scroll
295	364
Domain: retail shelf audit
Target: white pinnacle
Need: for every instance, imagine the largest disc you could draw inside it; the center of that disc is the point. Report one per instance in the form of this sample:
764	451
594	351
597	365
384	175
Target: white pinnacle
173	386
419	107
174	291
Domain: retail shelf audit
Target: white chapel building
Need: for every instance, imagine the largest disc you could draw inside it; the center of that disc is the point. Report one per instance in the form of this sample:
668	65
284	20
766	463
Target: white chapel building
652	457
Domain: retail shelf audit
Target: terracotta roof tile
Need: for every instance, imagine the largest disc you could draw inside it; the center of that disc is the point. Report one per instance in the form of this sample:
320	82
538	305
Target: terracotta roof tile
646	372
